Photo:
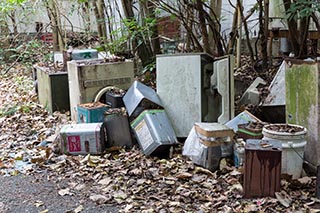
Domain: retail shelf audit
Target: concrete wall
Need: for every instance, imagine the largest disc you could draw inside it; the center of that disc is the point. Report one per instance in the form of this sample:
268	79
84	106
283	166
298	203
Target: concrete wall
27	18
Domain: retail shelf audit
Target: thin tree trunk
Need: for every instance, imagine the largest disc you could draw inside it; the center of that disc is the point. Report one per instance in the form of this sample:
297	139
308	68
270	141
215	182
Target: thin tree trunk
14	22
215	13
154	30
304	27
86	17
108	9
293	29
54	25
100	19
263	38
4	32
233	33
266	32
203	27
144	53
101	10
245	25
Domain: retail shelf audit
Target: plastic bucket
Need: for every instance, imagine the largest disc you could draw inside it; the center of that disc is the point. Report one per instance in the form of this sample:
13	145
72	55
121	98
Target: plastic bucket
293	144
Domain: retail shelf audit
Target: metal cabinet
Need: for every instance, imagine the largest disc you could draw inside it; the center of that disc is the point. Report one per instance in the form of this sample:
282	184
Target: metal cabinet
195	88
88	77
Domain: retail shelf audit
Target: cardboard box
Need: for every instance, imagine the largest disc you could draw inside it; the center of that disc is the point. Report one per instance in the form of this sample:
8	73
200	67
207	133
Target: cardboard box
81	139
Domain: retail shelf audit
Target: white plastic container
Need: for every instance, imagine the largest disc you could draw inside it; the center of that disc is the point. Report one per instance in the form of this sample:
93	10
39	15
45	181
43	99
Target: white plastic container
293	144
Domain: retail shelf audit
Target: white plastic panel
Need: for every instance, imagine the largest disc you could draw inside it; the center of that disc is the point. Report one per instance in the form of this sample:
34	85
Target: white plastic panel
222	80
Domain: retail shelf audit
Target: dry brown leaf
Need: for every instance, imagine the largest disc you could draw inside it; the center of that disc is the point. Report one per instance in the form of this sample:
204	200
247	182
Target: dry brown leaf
184	175
63	192
78	209
99	199
203	170
105	181
283	198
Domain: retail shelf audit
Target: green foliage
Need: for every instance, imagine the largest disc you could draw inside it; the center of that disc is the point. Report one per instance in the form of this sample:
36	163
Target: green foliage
302	9
9	110
150	67
7	5
131	29
27	53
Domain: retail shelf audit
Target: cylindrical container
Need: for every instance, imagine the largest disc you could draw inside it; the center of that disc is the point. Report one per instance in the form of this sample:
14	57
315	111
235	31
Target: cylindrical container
238	153
285	46
292	138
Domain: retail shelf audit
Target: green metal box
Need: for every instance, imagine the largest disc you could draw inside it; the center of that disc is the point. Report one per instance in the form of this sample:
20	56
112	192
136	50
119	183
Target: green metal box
53	89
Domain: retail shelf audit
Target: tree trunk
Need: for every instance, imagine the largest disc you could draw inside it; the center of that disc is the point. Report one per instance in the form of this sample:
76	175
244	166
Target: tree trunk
245	25
215	14
203	27
14	22
100	19
4	32
54	17
263	38
293	30
108	9
86	17
54	25
138	43
233	34
304	27
155	41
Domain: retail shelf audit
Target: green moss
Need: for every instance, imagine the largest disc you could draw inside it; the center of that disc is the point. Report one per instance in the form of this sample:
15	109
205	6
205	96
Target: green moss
301	92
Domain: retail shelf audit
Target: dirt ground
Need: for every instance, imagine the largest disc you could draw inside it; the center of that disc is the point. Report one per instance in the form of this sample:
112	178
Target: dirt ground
37	194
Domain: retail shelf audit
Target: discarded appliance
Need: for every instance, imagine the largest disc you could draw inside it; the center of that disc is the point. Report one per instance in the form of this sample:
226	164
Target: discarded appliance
244	117
84	54
91	112
302	104
140	97
76	54
252	95
195	88
52	88
154	132
80	139
203	144
262	168
88	77
273	106
293	140
117	128
253	130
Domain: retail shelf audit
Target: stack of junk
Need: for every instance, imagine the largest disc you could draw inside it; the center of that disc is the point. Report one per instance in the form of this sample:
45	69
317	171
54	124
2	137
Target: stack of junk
126	117
139	114
264	151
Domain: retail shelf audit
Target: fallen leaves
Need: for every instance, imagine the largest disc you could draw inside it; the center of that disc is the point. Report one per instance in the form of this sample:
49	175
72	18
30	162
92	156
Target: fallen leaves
63	192
127	179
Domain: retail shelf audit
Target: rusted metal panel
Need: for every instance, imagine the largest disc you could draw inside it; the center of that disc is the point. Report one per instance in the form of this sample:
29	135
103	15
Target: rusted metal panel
262	168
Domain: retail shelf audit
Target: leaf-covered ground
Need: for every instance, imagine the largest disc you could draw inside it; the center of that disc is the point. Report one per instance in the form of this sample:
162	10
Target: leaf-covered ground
126	179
